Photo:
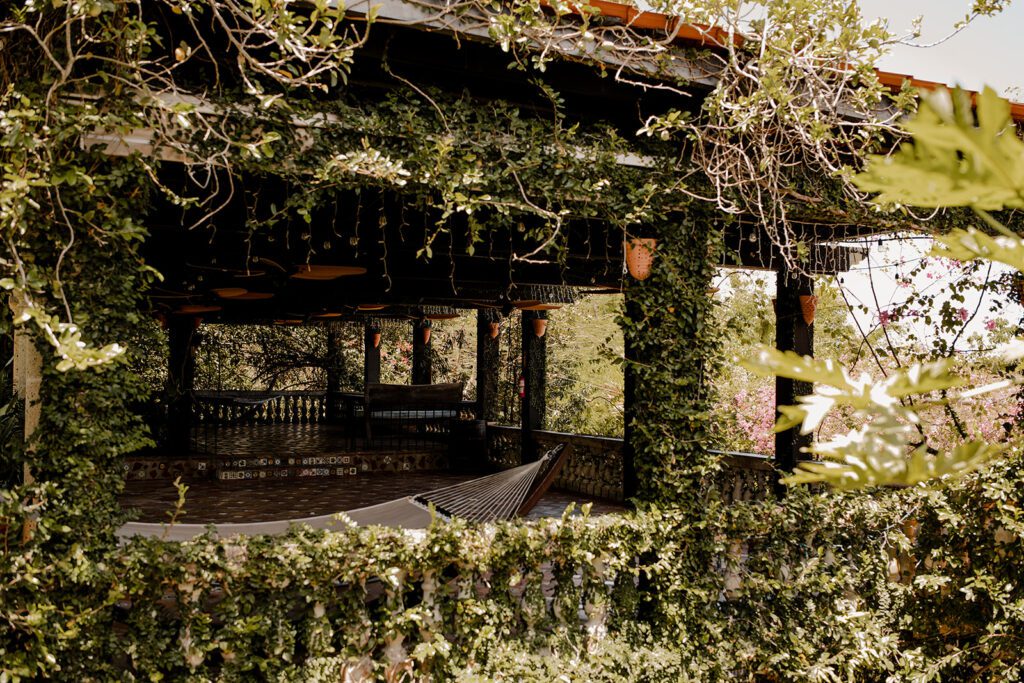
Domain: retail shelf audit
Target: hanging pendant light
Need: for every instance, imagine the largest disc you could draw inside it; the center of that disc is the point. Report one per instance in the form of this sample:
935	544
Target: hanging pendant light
230	292
323	273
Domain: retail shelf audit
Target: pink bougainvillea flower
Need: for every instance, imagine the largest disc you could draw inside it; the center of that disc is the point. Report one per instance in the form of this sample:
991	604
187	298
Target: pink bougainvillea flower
963	314
990	325
884	318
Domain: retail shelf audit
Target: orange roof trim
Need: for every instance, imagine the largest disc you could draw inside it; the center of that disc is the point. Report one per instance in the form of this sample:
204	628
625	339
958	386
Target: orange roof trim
714	36
896	81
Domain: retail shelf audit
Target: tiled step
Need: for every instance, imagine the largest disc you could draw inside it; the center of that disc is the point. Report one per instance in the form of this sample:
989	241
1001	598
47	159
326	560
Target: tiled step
276	467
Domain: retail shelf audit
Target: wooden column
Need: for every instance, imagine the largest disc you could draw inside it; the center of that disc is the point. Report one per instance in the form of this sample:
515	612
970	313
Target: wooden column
534	379
422	372
371	354
10	474
335	366
27	375
791	334
6	365
181	371
487	365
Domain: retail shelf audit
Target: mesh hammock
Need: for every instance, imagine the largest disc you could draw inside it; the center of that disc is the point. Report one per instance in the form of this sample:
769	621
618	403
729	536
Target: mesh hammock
496	497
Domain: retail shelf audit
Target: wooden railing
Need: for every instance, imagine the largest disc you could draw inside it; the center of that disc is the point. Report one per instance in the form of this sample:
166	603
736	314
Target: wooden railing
595	467
259	407
233	407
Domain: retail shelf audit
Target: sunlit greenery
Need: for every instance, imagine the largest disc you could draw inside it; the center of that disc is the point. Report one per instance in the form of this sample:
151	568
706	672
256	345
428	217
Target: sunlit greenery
914	584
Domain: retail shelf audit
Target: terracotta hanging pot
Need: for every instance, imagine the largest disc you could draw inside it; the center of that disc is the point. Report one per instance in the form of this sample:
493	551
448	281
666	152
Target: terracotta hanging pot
375	338
640	256
540	326
493	329
426	334
808	304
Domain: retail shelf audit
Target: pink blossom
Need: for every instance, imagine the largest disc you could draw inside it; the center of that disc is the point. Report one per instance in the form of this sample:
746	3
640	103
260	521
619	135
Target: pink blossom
884	318
990	325
963	314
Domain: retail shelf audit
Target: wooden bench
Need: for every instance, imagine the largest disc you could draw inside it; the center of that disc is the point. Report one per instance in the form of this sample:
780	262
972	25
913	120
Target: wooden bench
411	409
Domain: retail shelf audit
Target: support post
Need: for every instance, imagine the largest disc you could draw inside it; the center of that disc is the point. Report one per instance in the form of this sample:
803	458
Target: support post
371	354
181	371
27	374
534	381
422	372
6	365
791	334
335	366
487	362
10	473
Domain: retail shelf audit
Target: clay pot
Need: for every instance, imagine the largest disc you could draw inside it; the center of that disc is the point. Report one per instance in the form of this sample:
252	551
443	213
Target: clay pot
640	256
426	334
375	338
540	326
808	304
493	329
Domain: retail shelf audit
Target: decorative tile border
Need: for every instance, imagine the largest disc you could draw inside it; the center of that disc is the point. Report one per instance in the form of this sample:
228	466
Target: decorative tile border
247	469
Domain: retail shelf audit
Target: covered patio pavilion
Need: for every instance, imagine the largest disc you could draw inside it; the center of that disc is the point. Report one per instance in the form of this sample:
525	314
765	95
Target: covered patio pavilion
374	256
263	456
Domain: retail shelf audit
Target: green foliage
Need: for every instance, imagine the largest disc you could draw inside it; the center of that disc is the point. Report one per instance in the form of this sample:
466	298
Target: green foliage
584	367
953	161
908	585
686	589
888	410
670	345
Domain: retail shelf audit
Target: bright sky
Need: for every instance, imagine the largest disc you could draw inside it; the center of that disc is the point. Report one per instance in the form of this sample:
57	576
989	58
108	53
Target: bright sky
989	51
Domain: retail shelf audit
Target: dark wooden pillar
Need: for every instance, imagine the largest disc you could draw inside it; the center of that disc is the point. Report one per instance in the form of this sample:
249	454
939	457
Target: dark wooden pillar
791	334
181	371
534	379
422	372
6	361
11	474
487	365
371	354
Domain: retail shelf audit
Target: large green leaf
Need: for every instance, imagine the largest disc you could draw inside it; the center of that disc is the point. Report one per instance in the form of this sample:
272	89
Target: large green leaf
971	244
953	161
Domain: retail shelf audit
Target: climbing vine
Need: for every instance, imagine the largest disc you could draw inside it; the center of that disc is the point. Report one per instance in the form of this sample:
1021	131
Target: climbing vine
99	97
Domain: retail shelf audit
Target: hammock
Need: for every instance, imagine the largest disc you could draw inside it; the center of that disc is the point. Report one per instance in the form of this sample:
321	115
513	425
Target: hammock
492	498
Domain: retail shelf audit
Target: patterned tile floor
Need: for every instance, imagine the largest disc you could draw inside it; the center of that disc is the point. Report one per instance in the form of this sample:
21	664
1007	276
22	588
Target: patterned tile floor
264	500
